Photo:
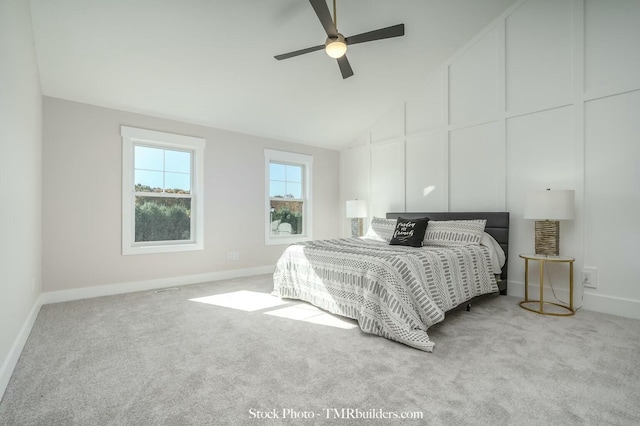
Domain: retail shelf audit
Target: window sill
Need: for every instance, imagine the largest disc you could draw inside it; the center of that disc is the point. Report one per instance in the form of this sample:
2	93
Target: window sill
168	248
274	241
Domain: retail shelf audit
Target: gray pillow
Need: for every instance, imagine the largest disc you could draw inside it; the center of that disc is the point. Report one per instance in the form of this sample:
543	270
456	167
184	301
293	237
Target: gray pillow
447	233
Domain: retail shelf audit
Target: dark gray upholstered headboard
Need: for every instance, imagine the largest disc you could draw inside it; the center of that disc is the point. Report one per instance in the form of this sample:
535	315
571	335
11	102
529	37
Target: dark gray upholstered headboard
497	226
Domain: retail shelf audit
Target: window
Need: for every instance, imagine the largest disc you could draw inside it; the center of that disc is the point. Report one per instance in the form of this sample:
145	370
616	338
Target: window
288	197
162	202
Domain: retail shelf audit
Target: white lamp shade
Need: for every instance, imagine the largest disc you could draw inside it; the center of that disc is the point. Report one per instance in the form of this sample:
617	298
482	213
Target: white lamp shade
356	208
550	205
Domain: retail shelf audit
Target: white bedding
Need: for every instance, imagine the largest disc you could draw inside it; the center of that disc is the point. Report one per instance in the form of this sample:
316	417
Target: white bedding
396	292
496	253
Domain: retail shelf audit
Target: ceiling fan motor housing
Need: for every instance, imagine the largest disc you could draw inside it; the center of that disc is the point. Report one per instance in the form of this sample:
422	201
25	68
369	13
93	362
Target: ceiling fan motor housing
336	47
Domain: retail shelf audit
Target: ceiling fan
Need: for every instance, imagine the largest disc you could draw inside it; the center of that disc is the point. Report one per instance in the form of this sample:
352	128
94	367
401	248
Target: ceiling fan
336	44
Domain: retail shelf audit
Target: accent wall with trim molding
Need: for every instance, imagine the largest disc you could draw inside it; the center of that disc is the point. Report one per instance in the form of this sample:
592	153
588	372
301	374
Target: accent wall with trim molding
547	96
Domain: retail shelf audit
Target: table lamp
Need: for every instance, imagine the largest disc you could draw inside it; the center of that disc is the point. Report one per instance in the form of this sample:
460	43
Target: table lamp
356	210
548	208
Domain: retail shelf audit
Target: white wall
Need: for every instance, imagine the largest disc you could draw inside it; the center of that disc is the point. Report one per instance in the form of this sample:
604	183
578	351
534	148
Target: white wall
82	203
547	96
20	184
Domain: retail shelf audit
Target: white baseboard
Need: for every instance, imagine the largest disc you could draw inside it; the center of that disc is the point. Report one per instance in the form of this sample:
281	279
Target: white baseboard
612	305
131	287
589	299
11	361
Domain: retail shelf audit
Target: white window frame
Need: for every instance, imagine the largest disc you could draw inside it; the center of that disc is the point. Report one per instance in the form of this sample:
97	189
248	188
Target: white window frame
131	137
306	161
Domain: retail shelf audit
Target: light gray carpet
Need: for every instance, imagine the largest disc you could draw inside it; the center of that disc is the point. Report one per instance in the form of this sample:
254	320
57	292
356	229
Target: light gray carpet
160	359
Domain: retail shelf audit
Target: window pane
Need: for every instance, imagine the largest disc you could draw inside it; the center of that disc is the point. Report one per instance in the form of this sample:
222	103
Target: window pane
148	181
286	217
162	219
177	183
294	190
277	189
171	219
149	158
277	171
285	181
177	161
294	174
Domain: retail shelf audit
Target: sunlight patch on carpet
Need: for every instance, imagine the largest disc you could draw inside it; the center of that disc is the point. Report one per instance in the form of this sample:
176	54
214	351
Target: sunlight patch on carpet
243	300
250	301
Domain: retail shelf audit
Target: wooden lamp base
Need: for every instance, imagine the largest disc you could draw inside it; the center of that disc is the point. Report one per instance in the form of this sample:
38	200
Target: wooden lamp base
548	237
356	227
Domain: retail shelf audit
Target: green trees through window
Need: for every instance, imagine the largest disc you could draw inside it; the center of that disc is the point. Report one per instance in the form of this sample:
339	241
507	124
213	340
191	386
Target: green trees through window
163	194
162	219
288	200
286	194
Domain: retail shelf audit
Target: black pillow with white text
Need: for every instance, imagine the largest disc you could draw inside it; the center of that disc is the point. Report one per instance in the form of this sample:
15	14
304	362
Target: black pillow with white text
409	232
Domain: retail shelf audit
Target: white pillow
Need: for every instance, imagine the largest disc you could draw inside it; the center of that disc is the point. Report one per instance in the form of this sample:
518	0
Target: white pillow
381	229
495	251
447	233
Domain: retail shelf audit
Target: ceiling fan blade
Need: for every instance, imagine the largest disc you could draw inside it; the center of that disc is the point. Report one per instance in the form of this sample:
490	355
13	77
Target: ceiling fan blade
382	33
345	67
299	52
322	10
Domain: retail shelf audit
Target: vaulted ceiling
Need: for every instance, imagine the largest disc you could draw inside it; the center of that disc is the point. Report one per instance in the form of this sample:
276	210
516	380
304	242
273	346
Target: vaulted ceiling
211	62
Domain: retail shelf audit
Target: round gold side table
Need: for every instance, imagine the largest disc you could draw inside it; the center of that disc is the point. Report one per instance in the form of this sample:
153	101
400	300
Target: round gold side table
542	259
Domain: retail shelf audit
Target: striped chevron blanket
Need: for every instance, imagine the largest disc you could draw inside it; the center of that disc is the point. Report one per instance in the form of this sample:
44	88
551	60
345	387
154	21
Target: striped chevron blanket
396	292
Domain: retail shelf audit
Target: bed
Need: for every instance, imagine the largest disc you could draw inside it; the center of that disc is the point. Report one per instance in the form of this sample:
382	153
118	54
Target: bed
395	291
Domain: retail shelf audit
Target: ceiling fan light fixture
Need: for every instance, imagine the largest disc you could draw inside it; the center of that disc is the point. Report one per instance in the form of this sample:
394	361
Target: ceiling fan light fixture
336	44
336	47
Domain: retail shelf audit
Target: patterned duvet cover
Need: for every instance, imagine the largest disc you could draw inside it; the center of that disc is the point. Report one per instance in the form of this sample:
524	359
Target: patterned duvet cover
395	292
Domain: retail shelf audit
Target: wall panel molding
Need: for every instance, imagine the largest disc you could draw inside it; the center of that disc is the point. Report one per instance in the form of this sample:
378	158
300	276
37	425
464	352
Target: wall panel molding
555	65
427	182
388	178
539	58
611	52
472	82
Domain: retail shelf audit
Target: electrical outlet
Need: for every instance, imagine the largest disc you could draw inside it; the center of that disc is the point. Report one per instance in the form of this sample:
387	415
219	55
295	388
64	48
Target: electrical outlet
590	277
233	255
